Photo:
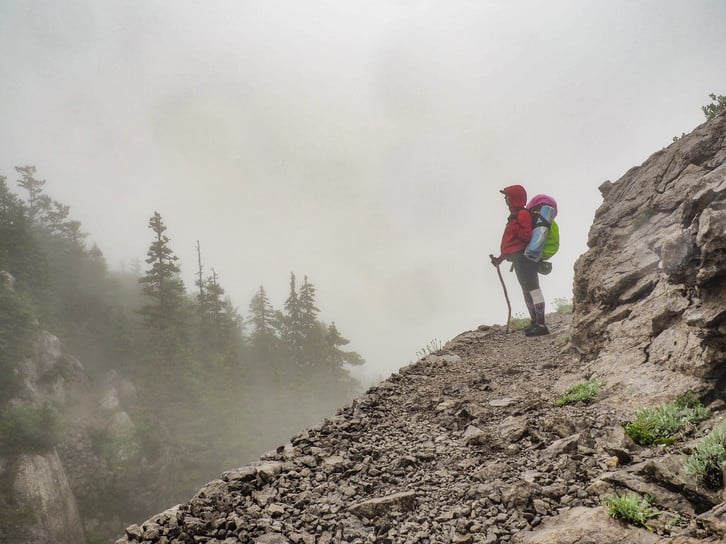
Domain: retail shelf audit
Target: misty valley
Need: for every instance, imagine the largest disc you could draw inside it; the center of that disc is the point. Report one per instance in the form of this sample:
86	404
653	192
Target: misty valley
123	392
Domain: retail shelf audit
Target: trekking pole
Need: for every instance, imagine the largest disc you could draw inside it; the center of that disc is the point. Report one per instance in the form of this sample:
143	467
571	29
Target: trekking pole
506	295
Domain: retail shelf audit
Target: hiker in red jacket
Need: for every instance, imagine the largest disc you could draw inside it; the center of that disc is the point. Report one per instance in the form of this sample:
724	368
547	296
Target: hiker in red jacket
514	241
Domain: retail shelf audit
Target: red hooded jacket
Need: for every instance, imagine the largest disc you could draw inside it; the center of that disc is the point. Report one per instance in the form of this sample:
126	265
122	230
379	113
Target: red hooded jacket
519	226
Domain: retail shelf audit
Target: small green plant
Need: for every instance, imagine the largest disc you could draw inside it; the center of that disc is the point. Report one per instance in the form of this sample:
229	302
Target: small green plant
673	520
707	459
17	518
630	508
581	392
643	217
659	425
432	347
717	105
28	428
519	322
563	305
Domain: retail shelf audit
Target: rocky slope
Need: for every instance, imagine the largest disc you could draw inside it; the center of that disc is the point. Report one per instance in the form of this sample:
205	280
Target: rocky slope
466	445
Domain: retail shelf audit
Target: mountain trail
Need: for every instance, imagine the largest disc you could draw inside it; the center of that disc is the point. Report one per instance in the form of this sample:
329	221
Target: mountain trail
464	445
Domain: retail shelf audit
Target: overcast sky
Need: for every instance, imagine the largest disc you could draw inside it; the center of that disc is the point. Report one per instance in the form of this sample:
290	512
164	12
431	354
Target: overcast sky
360	143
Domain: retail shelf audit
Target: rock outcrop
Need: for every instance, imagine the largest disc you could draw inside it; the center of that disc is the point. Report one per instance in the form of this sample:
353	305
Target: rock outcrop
41	488
56	483
36	499
650	293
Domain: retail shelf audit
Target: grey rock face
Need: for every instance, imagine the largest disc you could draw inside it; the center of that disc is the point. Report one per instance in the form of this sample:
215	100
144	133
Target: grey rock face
650	294
42	487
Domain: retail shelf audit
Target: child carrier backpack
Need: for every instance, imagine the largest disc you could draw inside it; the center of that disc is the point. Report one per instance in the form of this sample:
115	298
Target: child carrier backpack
545	239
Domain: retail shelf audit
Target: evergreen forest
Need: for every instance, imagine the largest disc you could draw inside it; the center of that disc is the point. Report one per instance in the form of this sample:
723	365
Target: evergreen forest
213	387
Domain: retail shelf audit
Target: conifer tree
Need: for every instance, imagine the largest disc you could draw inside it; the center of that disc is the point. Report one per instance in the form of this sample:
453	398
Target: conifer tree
55	216
20	254
310	327
291	324
56	219
200	283
13	228
717	105
336	357
308	310
221	322
37	202
72	230
262	317
214	306
165	313
44	211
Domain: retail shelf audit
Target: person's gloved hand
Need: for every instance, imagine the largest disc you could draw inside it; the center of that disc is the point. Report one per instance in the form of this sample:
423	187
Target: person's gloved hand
496	261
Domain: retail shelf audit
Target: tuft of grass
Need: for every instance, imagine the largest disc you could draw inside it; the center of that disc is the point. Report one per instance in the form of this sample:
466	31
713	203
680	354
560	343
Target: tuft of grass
581	392
630	508
432	347
519	322
706	462
643	217
659	425
563	305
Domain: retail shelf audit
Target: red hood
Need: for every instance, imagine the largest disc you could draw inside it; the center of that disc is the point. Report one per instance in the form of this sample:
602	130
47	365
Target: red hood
517	197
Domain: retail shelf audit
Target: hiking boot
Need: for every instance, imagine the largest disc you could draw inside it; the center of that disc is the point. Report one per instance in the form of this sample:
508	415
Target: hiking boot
536	330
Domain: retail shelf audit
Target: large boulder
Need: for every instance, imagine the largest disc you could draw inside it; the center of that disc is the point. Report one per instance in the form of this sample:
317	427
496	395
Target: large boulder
586	526
41	487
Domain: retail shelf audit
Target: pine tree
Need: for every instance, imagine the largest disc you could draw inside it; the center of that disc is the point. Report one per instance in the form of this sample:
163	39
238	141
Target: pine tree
308	310
165	314
37	202
312	346
13	229
20	254
221	322
215	302
200	283
717	105
336	358
262	317
333	372
72	230
292	333
56	216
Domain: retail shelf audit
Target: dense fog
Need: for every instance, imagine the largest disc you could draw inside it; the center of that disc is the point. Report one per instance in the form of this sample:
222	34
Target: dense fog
236	216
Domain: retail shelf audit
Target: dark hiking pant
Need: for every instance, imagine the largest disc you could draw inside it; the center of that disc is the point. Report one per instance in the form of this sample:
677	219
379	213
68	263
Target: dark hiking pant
528	278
